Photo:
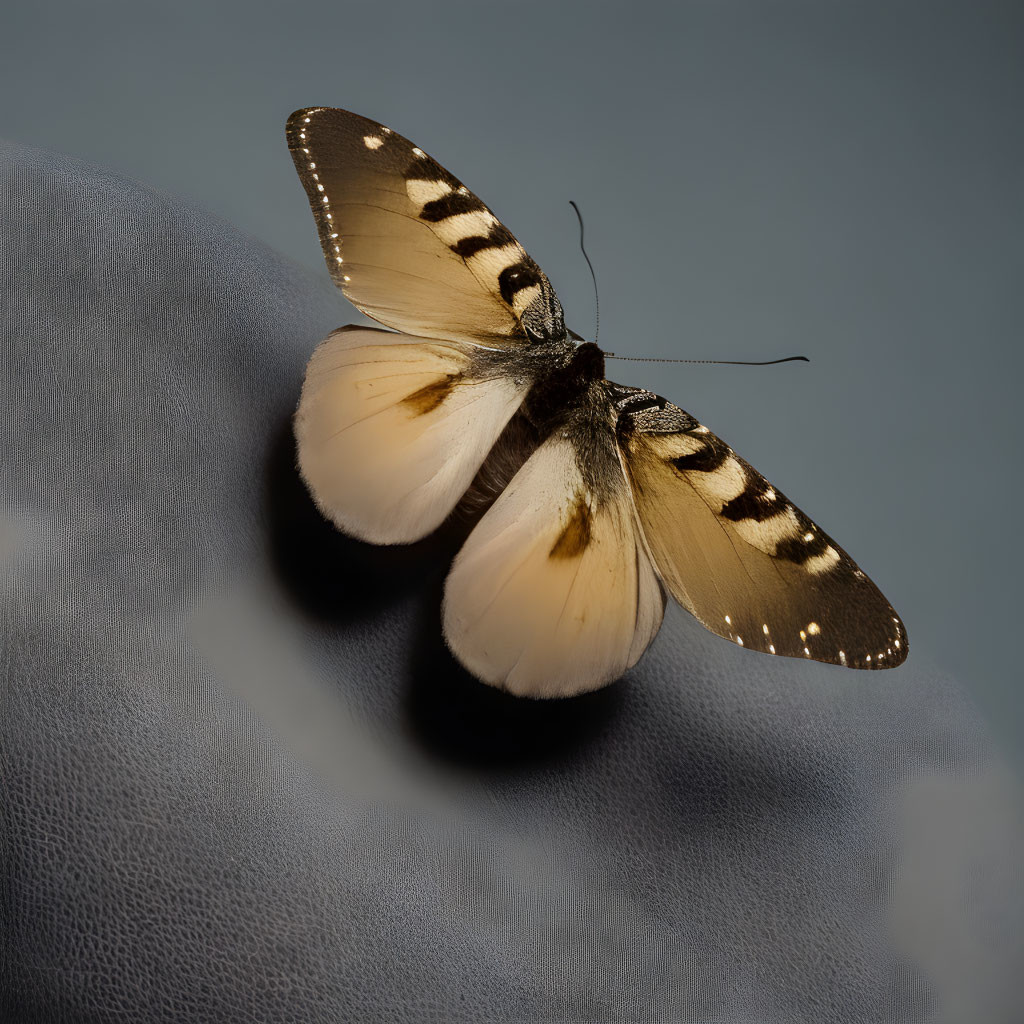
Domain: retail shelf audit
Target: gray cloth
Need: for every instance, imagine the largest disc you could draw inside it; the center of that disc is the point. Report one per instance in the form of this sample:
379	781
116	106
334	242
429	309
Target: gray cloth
243	780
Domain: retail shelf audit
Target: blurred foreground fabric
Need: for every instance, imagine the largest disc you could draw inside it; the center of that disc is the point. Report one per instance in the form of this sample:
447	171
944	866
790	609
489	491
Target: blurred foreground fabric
242	780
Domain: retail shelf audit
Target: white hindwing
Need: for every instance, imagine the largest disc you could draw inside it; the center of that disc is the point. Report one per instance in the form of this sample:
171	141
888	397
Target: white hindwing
391	430
553	593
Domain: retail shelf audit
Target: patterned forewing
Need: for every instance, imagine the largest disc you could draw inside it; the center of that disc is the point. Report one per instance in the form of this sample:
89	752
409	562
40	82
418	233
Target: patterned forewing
738	555
408	243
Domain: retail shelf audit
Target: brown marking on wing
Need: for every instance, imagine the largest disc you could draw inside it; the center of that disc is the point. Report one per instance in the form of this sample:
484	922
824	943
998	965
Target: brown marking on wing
428	398
575	537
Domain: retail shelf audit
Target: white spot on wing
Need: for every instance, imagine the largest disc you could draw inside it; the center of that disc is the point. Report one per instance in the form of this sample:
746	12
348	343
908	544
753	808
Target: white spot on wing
768	534
422	192
492	261
452	230
522	298
723	484
674	446
372	142
823	562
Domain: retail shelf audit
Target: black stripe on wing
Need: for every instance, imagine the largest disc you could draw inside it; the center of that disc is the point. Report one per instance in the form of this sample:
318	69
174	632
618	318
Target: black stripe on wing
816	603
471	231
358	174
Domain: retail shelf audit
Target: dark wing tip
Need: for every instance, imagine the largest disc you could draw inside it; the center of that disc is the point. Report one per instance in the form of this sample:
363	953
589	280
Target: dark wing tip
305	116
296	120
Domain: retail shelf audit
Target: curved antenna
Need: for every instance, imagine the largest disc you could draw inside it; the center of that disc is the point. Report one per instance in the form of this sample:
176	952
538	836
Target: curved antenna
716	362
593	276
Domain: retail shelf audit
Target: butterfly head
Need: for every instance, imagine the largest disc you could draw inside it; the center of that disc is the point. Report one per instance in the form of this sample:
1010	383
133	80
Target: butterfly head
587	362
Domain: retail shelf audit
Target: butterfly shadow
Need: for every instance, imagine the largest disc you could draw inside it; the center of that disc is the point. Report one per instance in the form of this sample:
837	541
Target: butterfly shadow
461	720
337	581
333	578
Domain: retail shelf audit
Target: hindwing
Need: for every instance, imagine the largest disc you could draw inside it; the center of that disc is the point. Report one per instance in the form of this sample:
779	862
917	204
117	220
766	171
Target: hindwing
554	592
391	429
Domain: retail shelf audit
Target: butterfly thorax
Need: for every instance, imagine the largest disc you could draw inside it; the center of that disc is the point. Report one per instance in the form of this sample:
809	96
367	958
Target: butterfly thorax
571	399
561	388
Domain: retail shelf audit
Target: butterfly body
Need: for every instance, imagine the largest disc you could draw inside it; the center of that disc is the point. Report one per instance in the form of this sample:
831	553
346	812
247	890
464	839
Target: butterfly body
608	497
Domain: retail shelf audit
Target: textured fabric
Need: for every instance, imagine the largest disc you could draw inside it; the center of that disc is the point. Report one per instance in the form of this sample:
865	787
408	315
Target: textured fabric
243	780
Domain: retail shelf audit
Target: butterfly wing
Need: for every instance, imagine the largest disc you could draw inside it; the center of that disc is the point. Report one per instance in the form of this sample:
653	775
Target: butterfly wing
391	429
408	243
737	554
554	592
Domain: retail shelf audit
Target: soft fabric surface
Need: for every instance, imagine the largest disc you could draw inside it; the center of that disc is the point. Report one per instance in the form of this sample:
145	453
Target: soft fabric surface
243	780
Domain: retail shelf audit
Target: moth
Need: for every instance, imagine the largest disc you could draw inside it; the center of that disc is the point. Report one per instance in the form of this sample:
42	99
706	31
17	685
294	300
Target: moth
608	497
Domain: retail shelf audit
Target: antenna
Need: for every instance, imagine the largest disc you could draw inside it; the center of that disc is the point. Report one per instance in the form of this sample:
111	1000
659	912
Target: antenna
644	359
593	276
716	362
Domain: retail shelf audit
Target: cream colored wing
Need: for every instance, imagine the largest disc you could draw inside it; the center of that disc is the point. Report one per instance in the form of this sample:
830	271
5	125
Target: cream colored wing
738	554
391	429
554	593
408	243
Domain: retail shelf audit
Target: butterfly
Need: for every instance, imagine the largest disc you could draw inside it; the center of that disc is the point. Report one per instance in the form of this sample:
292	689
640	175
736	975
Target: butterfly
602	498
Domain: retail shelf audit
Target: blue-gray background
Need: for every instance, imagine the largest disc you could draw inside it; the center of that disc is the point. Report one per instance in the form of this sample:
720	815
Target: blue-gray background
758	179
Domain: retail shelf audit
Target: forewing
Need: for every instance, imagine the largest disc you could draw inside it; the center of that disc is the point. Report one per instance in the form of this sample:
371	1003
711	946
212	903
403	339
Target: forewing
408	243
554	592
391	429
738	554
